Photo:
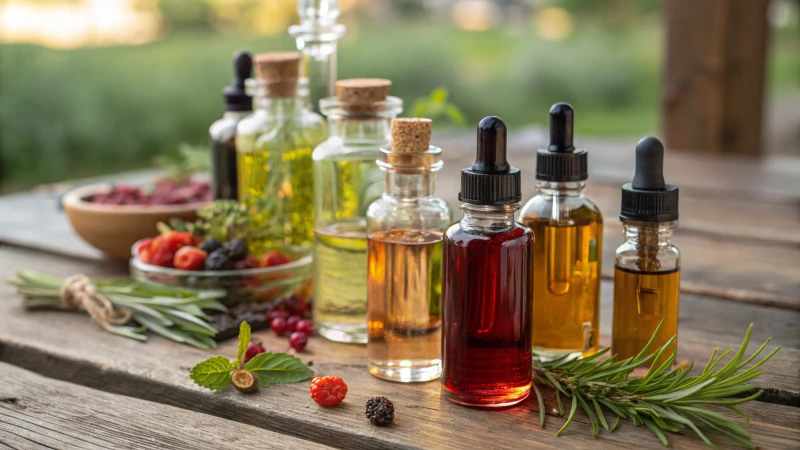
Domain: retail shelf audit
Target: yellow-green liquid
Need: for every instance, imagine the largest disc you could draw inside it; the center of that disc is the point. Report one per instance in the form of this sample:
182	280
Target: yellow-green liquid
566	283
340	282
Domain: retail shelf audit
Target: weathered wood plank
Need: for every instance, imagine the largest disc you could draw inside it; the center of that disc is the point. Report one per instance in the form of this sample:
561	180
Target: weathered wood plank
40	412
69	347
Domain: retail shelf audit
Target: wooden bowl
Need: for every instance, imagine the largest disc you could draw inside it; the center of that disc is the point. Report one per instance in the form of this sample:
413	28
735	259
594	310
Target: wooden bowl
113	229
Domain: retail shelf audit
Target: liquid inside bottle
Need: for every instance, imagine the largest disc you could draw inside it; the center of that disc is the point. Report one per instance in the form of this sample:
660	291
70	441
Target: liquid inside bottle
641	301
566	271
405	274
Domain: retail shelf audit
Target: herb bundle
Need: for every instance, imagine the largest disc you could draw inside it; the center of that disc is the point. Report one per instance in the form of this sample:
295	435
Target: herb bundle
176	314
662	400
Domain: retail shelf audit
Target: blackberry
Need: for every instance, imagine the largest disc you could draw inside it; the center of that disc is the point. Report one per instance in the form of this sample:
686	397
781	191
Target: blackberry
218	260
210	244
380	411
237	249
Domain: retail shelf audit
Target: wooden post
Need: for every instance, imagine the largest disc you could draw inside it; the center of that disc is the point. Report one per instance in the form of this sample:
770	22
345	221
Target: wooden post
714	75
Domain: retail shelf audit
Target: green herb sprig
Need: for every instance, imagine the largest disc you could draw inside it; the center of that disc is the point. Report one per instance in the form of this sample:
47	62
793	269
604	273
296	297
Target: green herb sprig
269	368
174	313
663	399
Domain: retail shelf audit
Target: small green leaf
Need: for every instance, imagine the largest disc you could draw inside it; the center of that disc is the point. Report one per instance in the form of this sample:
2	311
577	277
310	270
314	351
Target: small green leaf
213	373
244	341
278	368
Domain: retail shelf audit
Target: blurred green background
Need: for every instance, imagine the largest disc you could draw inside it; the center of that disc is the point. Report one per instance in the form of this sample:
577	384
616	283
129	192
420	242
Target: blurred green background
131	79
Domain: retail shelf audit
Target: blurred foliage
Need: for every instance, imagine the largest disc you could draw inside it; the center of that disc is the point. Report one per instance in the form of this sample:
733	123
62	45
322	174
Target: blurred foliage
435	107
190	159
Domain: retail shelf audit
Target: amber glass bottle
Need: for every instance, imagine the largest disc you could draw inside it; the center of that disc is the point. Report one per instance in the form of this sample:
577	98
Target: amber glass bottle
404	249
569	243
486	285
647	265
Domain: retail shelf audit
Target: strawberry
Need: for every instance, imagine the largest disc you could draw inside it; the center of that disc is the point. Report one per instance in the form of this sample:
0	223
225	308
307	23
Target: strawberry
143	250
189	258
274	259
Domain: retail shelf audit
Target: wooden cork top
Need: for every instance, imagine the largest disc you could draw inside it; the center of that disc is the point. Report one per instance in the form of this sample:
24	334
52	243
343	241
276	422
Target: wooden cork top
411	135
278	71
362	91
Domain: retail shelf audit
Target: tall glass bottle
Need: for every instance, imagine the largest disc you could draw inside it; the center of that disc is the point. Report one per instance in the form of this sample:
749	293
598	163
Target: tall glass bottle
569	245
647	265
486	283
346	182
274	146
404	250
222	133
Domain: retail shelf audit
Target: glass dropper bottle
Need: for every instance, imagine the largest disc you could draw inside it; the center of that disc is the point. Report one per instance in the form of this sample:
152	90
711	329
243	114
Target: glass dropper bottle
647	265
486	283
404	283
569	239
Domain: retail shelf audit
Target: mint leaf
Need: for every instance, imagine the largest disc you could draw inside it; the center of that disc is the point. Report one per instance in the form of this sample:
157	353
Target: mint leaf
213	373
278	368
244	341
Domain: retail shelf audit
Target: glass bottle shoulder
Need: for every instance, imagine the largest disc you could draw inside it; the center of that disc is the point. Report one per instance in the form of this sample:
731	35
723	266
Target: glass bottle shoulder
424	213
639	258
562	210
463	236
223	129
334	148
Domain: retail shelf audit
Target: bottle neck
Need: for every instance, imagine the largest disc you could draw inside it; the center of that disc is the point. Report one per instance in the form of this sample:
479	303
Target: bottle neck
484	218
651	235
561	189
278	106
409	185
370	131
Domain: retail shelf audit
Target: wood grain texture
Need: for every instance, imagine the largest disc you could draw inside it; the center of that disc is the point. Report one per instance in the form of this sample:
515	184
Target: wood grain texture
69	347
40	412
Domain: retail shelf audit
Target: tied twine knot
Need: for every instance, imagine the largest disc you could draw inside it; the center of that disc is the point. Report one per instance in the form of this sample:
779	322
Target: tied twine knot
78	293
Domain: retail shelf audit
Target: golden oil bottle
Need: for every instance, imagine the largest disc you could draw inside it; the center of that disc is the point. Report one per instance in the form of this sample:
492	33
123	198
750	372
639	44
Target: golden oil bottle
647	265
404	249
346	182
568	243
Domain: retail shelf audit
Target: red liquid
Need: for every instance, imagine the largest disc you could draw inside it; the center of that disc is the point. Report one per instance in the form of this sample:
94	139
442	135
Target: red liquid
487	316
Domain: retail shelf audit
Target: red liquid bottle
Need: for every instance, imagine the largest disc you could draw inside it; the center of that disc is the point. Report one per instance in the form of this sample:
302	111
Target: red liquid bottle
486	287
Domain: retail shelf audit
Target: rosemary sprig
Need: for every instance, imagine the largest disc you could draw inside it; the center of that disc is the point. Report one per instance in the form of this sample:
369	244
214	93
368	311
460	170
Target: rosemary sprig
663	399
176	314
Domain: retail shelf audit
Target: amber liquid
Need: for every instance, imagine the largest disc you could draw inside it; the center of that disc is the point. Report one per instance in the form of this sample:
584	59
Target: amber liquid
486	317
566	283
641	301
404	291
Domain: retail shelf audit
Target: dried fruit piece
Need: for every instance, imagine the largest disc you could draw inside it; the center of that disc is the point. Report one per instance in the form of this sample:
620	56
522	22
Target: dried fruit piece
272	259
380	411
218	260
292	322
237	249
280	326
143	251
244	381
189	258
210	244
305	326
298	341
328	391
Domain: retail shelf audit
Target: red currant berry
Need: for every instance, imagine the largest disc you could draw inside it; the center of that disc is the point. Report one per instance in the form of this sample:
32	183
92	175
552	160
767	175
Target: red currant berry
328	391
292	321
253	349
275	313
305	326
298	341
279	326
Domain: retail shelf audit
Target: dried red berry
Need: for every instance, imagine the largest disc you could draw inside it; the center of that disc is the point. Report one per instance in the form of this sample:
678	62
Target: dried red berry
279	326
298	341
253	349
275	313
328	391
292	322
305	326
189	258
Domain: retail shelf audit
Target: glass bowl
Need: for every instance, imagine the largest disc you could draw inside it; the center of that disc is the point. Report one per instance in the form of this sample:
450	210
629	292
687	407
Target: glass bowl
258	285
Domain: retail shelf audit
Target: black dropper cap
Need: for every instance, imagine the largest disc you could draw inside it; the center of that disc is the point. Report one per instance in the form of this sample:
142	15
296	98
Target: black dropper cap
647	198
491	180
561	161
236	99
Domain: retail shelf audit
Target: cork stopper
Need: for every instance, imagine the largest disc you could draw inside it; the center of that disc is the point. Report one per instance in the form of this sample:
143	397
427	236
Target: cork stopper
362	91
278	73
411	135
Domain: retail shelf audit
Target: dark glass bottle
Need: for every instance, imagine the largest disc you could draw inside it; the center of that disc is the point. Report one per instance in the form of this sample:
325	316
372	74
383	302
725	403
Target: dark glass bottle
487	284
222	133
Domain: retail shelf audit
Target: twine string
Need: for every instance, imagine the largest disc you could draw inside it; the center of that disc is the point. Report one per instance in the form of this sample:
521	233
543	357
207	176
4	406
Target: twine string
79	294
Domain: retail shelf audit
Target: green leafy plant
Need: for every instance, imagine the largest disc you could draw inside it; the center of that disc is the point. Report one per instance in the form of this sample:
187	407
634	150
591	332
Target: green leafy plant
436	106
268	368
663	399
126	307
188	161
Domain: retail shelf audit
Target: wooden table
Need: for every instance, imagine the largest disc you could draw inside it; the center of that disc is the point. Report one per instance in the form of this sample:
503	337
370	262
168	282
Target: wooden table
740	240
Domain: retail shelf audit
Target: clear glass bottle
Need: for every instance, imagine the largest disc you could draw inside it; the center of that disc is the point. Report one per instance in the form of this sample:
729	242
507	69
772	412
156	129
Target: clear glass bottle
274	146
404	250
346	182
569	245
222	133
486	284
647	265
